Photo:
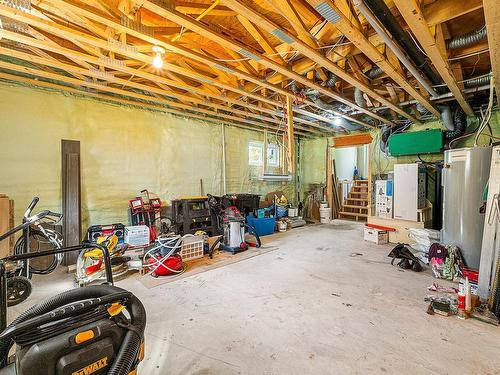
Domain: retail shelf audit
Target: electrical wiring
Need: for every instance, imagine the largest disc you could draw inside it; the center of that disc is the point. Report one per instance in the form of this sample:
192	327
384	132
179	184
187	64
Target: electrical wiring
487	113
417	44
469	55
463	136
295	52
465	80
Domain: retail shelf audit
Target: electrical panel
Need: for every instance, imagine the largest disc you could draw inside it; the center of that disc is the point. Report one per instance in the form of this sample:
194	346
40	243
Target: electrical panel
409	190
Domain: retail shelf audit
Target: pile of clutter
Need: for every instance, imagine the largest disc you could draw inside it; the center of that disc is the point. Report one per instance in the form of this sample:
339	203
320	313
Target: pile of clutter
422	239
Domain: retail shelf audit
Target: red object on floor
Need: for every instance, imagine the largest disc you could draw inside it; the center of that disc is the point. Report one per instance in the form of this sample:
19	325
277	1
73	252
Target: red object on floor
381	227
174	263
473	275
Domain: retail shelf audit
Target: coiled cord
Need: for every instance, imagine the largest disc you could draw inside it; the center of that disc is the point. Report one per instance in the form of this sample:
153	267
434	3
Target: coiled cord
173	243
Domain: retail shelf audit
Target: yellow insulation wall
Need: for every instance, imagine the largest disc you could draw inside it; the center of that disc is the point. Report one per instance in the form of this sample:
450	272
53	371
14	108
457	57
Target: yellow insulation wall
123	150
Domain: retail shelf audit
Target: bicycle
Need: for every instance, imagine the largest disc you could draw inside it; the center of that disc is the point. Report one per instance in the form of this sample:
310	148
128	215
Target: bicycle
20	272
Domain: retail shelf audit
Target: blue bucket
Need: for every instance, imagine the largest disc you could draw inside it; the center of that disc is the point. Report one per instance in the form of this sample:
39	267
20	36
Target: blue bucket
263	226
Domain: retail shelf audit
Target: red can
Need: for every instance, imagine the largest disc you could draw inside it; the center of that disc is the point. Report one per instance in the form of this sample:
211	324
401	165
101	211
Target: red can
461	301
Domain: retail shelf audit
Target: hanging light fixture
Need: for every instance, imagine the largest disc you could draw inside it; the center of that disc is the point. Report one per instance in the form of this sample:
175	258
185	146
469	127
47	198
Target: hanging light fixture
158	59
337	120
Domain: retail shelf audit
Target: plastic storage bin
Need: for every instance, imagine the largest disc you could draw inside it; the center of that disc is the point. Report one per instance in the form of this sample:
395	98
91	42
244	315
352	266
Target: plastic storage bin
263	226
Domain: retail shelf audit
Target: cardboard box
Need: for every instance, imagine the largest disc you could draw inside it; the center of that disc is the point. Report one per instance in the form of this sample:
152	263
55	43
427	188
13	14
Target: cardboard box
137	235
383	188
6	223
461	287
383	207
376	236
383	198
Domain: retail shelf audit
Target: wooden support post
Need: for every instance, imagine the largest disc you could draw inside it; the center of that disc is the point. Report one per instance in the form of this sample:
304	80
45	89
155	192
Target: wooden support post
291	144
492	16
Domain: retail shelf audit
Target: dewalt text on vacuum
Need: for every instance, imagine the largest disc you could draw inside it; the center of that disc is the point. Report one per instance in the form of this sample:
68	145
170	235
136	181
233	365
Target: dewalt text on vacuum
93	330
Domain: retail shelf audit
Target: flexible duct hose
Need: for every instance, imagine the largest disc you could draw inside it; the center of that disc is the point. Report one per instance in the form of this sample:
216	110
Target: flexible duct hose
467	39
374	72
446	117
331	81
460	124
131	343
358	98
479	81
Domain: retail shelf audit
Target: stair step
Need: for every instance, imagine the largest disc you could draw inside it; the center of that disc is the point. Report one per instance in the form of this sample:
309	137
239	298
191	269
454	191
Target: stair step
359	192
357	199
354	206
352	214
363	182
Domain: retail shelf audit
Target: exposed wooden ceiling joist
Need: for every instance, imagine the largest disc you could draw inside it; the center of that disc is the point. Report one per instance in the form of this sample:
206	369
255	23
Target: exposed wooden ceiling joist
492	16
242	60
412	14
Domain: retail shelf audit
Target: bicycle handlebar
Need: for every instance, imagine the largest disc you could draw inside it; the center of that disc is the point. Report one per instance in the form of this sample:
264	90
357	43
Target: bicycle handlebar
28	220
31	206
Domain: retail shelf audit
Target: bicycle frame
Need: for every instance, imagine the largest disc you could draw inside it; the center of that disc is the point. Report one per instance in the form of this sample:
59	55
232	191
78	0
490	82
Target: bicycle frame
27	256
25	228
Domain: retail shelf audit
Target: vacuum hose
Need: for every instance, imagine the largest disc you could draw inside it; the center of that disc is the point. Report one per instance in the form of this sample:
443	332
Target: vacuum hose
131	344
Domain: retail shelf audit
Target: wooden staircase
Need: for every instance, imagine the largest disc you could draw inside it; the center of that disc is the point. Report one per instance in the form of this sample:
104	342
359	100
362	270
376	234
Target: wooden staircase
355	205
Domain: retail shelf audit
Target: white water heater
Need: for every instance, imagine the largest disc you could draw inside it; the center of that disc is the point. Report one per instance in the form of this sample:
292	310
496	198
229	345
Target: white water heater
464	178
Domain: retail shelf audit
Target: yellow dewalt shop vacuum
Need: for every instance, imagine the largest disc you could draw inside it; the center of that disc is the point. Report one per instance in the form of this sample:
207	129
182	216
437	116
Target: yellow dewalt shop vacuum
94	330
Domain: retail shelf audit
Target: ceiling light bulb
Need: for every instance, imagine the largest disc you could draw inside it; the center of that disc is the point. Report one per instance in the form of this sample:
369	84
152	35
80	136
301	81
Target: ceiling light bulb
158	61
337	121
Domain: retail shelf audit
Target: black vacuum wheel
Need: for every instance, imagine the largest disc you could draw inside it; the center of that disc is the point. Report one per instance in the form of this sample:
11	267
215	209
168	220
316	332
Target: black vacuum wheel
18	289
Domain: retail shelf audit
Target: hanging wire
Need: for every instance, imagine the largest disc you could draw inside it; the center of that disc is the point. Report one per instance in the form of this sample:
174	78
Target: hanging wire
295	52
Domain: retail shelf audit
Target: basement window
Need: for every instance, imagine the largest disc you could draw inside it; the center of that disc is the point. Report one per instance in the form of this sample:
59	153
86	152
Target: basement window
273	155
256	154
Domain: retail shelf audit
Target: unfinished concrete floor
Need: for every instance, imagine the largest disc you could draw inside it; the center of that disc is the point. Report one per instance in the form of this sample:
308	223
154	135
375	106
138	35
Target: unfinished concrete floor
308	307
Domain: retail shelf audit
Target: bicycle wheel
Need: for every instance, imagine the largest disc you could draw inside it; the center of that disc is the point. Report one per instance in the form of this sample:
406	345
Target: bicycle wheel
18	289
38	242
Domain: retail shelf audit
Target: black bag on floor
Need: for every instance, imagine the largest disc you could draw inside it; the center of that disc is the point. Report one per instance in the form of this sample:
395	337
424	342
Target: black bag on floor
407	259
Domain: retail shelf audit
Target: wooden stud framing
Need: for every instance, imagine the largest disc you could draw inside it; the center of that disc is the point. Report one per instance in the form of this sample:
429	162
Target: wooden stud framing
492	16
290	134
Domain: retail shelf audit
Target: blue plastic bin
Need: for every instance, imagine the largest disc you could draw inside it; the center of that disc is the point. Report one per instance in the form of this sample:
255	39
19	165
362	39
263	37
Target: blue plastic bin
263	226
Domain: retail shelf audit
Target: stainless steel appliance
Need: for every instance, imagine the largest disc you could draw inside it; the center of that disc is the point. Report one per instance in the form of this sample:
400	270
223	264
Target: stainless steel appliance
464	177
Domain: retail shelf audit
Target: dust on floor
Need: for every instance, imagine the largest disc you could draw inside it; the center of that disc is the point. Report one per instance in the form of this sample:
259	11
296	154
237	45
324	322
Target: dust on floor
308	307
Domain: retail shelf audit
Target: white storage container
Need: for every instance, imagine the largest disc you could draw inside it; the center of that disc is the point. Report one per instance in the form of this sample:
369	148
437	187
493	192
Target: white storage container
192	248
137	235
376	236
325	213
409	190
